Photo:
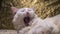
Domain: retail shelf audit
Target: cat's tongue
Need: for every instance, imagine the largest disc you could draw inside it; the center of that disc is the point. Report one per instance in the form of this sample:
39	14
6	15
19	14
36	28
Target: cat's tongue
27	20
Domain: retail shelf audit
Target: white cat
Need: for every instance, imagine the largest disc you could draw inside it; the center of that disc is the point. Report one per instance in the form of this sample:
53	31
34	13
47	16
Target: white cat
26	16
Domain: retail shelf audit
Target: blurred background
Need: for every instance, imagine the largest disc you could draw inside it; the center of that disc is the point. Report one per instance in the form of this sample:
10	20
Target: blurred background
44	8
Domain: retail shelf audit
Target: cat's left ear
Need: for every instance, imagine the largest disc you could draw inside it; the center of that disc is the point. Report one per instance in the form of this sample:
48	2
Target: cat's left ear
33	8
14	9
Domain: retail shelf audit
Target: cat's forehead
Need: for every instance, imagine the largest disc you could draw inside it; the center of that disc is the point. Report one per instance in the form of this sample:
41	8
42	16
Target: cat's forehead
25	9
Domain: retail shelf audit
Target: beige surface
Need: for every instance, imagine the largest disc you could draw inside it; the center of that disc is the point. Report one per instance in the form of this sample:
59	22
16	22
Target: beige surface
8	32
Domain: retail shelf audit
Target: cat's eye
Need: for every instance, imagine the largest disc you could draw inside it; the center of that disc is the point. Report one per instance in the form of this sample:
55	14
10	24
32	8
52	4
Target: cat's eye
22	11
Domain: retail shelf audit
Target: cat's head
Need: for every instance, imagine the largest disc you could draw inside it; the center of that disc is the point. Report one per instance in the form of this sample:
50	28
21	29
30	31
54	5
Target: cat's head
23	13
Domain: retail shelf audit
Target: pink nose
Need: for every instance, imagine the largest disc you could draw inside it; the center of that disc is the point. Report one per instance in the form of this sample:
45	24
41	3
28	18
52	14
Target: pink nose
27	12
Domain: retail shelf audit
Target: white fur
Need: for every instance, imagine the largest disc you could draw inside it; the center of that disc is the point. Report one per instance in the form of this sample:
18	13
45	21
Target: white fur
40	26
46	26
24	30
55	20
32	23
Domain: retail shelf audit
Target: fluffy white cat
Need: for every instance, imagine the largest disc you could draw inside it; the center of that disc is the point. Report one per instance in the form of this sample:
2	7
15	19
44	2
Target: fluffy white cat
26	16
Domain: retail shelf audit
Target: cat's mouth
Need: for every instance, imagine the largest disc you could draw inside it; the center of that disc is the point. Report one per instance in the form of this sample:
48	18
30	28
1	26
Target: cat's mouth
26	20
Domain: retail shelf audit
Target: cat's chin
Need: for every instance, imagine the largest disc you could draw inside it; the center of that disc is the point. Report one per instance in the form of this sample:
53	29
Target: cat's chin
26	20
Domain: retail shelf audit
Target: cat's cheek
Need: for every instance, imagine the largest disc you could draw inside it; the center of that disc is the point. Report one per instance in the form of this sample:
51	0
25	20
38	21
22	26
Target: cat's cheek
15	18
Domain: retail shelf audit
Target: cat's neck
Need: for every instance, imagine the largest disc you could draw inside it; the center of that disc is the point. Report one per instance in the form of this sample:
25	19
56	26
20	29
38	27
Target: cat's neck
36	18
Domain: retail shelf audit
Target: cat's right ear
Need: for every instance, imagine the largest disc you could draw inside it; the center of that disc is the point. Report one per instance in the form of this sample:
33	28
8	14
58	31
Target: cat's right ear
34	8
14	10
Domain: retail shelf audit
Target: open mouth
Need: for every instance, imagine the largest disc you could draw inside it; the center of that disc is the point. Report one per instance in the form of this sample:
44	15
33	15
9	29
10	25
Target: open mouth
26	20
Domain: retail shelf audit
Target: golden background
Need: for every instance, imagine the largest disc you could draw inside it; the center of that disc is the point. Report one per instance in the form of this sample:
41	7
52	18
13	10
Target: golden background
43	8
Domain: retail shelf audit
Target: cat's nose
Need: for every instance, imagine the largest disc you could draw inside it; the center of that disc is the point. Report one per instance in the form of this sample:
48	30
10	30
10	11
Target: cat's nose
27	12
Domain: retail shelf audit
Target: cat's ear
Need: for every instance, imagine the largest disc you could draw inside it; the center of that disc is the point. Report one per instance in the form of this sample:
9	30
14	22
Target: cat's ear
14	9
33	8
